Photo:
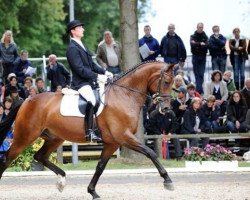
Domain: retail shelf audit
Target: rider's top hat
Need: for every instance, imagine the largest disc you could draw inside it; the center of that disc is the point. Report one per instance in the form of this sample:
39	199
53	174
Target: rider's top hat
73	24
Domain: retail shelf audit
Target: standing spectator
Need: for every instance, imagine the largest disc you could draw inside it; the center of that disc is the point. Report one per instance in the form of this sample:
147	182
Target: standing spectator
236	113
218	88
199	47
230	82
194	122
238	56
151	42
109	54
20	67
8	54
85	73
246	92
172	48
57	73
40	85
217	49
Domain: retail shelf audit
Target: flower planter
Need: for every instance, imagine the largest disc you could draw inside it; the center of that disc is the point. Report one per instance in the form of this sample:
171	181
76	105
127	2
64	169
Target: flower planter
211	165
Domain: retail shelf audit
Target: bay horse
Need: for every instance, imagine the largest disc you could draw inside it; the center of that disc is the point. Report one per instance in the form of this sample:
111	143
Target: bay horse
39	116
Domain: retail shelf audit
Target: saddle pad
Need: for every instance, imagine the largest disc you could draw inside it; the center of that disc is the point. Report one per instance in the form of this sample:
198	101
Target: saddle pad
69	104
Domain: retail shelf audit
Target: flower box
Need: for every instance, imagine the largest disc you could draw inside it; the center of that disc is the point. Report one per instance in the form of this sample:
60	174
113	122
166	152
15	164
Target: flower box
211	165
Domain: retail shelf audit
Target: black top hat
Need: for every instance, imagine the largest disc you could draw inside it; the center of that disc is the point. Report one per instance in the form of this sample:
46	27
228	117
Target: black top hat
73	24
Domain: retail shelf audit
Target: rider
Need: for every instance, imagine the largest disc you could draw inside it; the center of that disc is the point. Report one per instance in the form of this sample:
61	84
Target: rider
85	73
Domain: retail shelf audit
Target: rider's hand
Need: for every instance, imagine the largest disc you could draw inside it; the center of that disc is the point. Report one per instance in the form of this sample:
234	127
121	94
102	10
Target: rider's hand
109	74
102	78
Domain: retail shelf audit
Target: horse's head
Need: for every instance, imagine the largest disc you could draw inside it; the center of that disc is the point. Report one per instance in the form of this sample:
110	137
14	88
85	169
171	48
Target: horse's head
161	86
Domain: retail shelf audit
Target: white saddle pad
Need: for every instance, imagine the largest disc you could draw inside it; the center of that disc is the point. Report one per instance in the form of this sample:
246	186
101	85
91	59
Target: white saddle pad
69	104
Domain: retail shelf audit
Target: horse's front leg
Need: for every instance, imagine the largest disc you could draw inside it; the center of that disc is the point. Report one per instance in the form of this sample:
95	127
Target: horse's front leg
134	144
107	152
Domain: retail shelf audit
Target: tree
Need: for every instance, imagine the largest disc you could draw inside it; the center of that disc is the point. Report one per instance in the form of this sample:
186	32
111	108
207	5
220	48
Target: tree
130	52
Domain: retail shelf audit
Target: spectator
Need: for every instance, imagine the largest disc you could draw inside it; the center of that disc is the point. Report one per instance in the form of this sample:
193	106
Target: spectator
40	85
8	54
172	48
28	82
7	103
217	49
230	82
179	106
178	82
57	73
13	82
211	113
191	91
218	88
14	94
238	56
85	73
151	42
185	77
194	122
20	67
236	113
246	92
109	54
199	47
33	91
1	86
6	143
2	114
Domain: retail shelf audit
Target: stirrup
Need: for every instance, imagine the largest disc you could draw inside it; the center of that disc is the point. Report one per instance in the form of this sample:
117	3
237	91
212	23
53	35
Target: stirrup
92	137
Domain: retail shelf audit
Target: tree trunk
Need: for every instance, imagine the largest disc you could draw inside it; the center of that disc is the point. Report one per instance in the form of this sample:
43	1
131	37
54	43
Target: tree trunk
130	55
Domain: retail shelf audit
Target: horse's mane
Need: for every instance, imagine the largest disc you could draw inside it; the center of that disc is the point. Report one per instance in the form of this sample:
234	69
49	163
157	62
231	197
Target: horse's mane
134	68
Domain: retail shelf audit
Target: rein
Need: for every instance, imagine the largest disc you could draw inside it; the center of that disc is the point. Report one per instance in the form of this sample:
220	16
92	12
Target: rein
158	94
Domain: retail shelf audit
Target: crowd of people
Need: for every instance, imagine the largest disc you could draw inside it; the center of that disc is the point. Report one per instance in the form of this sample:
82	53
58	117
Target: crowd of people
197	107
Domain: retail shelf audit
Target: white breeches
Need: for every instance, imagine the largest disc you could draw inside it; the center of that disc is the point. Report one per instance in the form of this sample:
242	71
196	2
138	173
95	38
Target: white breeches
87	93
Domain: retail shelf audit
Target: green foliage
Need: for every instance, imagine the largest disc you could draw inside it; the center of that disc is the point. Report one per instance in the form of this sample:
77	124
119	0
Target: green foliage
24	160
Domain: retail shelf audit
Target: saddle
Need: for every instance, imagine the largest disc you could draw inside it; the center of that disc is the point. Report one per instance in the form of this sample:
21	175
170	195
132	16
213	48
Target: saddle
73	104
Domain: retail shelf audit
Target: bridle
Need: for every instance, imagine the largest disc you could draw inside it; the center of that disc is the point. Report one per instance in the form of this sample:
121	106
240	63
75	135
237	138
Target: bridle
159	95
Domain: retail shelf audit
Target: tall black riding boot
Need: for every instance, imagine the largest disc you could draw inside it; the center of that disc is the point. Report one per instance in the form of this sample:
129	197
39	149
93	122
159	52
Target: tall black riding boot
89	124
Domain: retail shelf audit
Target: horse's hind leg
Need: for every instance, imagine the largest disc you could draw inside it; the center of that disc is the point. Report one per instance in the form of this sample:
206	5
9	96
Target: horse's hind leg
107	152
134	144
42	156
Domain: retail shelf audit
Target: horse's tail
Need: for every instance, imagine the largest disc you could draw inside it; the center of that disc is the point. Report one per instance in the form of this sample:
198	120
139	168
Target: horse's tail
5	126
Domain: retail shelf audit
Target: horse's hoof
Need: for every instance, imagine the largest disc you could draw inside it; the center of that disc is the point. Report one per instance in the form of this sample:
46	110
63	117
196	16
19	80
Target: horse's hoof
169	186
61	183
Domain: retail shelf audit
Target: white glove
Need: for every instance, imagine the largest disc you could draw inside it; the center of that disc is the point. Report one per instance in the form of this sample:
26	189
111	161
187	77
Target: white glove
102	78
109	74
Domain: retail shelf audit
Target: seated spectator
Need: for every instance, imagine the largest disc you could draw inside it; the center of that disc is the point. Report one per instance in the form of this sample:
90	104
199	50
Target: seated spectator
230	82
14	94
246	92
33	91
13	83
20	67
218	88
109	53
236	113
191	91
186	78
179	106
194	122
28	82
178	82
1	85
2	114
7	103
57	73
6	143
211	113
40	85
